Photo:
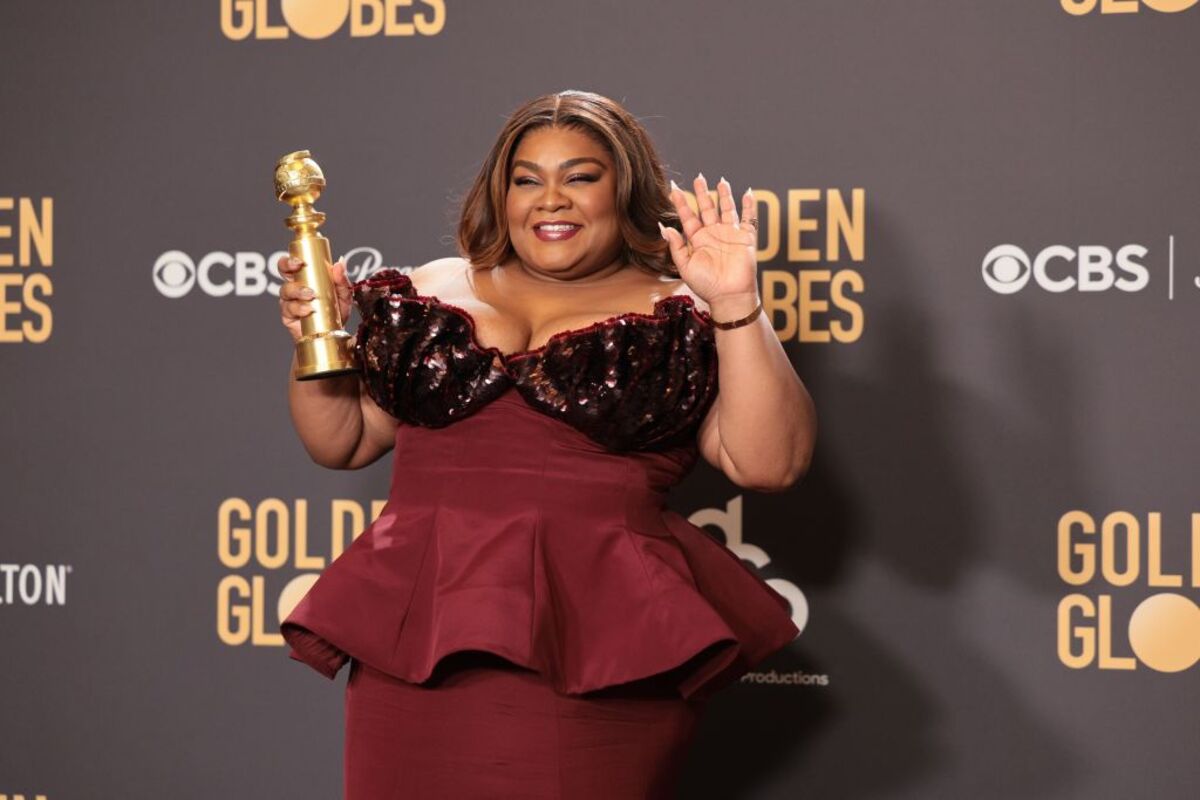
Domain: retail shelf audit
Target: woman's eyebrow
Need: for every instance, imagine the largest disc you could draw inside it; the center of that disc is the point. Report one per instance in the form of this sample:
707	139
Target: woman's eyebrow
570	162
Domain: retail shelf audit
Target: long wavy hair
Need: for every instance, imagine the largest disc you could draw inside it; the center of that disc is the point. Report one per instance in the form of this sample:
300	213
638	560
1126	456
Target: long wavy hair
642	192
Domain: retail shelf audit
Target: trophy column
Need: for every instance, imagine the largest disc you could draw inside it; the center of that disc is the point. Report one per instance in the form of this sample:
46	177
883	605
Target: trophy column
323	349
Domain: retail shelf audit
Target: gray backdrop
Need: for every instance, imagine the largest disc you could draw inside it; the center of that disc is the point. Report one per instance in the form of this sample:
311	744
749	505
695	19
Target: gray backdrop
971	399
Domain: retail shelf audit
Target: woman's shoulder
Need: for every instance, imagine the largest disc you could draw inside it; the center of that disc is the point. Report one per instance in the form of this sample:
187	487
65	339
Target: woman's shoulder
430	278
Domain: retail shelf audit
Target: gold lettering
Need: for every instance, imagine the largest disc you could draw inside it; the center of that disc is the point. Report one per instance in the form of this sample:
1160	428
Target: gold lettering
393	27
842	225
359	26
809	305
1084	551
37	335
233	618
270	508
1104	629
842	332
785	303
771	223
798	224
1069	632
258	613
1126	522
263	29
427	27
1154	573
303	559
243	10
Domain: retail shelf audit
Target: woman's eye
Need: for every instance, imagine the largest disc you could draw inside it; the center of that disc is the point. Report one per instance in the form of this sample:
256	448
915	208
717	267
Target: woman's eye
585	178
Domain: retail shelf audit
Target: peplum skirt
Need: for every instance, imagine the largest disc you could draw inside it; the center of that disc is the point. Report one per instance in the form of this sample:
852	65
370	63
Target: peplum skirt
483	728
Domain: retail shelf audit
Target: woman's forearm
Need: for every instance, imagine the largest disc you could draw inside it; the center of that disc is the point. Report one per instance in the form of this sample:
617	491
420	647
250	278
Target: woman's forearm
327	415
765	416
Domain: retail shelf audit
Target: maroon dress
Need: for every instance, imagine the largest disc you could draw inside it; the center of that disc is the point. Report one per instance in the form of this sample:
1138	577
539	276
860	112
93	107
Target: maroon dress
526	618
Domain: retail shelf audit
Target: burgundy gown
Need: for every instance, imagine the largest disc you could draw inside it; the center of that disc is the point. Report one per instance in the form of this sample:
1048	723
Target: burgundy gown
526	618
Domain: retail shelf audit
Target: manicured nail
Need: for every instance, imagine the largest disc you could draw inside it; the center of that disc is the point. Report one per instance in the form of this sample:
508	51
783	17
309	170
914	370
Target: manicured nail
749	191
723	180
663	230
700	175
675	188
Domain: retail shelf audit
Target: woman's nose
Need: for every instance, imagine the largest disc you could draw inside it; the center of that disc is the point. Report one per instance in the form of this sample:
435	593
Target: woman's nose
552	198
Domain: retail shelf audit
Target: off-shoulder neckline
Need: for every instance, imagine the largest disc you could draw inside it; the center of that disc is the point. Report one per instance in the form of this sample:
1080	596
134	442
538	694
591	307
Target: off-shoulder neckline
390	276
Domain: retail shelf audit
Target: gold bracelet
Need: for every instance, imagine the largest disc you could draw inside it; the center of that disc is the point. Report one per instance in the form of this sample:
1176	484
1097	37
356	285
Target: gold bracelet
746	320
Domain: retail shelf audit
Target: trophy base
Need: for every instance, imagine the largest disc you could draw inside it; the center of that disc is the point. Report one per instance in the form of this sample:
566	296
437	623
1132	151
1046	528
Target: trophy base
324	355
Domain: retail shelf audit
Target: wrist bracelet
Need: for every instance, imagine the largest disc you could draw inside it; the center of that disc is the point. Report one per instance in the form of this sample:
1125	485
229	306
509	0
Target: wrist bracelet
737	323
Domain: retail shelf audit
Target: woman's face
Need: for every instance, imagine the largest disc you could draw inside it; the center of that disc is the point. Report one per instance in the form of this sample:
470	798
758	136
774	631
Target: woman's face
563	176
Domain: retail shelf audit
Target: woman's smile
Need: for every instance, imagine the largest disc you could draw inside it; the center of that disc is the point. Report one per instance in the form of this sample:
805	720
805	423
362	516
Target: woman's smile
555	231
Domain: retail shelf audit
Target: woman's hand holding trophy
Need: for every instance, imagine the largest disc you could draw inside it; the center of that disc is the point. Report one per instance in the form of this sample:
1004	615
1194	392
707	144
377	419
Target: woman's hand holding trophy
314	300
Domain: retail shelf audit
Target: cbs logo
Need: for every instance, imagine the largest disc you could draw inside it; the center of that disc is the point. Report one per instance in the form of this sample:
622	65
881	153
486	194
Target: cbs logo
1088	268
320	19
1080	7
244	274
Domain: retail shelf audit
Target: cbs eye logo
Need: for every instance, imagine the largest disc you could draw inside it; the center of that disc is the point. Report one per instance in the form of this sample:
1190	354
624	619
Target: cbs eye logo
174	274
1087	268
1006	269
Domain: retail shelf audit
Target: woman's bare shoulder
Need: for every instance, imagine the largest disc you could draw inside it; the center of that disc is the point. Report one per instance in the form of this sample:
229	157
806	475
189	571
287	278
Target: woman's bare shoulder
430	277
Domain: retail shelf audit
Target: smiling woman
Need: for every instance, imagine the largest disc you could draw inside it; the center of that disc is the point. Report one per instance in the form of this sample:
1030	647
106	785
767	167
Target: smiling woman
586	148
526	618
569	198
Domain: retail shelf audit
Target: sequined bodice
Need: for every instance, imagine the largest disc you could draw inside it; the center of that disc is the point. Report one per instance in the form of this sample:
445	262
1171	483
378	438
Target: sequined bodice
630	382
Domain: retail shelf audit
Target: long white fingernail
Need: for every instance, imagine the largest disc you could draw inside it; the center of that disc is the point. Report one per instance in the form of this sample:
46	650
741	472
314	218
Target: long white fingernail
674	187
723	180
662	229
749	191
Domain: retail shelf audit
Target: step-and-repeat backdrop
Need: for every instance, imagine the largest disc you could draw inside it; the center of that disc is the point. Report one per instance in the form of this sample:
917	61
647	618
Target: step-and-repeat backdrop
979	246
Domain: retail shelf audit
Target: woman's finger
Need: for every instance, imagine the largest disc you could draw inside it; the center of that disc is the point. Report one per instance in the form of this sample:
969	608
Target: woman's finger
339	275
293	290
704	202
687	218
297	308
729	215
289	265
675	243
750	210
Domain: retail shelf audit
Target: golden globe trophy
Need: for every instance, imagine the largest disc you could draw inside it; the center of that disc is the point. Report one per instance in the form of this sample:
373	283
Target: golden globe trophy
323	349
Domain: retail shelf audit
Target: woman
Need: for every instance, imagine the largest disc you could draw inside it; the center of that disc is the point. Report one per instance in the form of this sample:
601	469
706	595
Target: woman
525	618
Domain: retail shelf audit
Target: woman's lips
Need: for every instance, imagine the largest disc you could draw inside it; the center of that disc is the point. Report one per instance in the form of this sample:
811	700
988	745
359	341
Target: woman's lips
555	233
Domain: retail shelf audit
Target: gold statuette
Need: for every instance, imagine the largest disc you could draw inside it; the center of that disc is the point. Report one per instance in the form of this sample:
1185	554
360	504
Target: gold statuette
323	349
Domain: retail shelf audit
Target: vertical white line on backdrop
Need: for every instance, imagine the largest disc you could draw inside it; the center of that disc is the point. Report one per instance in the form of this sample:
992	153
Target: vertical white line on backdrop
1171	267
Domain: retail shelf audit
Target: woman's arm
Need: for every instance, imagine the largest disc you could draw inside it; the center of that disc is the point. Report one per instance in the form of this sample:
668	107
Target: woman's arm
761	429
339	425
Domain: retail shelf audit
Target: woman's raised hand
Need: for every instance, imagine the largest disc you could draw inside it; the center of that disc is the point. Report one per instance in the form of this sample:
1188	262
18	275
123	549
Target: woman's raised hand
717	260
294	299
